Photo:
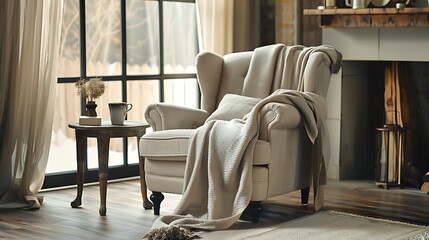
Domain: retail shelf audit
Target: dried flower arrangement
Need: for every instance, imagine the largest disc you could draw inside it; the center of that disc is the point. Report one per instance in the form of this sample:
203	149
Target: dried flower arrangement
91	88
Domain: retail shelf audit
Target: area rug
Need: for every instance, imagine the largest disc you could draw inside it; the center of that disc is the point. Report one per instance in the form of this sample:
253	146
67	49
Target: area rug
330	225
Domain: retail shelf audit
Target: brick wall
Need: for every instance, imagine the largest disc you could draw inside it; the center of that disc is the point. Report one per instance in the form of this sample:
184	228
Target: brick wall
285	21
294	28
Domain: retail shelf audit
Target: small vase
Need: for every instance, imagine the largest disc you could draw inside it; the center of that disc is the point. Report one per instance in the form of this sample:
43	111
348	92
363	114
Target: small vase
90	109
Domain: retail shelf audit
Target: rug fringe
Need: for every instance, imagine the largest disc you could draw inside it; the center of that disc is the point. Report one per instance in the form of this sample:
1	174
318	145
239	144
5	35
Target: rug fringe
378	219
420	236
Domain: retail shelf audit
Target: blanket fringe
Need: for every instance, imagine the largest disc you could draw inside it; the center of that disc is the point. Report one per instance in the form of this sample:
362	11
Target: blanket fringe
170	233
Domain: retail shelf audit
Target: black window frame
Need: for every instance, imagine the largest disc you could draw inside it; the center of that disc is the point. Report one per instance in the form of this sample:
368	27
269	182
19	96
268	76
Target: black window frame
66	178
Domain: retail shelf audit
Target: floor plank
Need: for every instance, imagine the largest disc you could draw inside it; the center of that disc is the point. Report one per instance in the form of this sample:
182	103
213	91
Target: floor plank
126	219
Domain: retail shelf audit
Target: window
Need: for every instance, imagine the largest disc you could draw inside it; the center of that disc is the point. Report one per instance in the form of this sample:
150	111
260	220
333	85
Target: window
143	49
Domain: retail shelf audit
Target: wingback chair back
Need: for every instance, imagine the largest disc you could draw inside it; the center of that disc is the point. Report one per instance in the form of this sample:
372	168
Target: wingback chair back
281	159
219	75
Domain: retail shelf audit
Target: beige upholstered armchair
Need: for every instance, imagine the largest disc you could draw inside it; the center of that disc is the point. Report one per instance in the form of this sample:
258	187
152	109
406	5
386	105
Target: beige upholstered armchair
281	161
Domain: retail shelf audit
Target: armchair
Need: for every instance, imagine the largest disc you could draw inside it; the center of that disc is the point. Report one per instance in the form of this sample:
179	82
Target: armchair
282	154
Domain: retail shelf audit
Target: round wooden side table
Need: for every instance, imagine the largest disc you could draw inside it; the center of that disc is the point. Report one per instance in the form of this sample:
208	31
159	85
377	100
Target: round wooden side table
103	133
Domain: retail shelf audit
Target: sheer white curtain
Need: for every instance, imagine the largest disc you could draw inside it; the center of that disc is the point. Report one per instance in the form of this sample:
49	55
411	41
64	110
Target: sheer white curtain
215	25
29	43
226	26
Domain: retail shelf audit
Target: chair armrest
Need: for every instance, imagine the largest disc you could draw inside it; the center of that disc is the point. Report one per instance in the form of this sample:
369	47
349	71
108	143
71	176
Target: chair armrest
162	116
275	115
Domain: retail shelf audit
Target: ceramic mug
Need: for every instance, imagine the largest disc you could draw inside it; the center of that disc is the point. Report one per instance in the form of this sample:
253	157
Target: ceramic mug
355	4
118	111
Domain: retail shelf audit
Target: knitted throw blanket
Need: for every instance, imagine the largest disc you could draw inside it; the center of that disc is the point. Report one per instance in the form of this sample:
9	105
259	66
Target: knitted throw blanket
218	176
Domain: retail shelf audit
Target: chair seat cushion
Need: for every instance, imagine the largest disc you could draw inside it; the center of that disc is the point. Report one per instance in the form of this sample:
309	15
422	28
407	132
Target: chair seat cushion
172	145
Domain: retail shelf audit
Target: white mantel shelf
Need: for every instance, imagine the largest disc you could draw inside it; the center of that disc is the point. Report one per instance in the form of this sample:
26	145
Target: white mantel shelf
379	44
371	17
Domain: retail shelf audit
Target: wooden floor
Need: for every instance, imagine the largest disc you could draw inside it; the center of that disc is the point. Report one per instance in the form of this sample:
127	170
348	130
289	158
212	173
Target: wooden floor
126	219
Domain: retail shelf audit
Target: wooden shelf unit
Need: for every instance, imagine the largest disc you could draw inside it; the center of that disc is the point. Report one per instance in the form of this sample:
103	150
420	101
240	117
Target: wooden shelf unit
371	17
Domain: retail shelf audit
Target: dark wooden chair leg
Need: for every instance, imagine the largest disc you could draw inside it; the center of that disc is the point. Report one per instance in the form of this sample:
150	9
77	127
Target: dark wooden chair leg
255	209
156	198
305	193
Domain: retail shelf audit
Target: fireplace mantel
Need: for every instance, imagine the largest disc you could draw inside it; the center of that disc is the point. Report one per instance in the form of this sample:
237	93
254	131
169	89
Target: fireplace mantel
348	91
379	44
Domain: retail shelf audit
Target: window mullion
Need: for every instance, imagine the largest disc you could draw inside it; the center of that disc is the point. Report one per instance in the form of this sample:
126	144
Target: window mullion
124	49
124	70
161	49
82	48
82	19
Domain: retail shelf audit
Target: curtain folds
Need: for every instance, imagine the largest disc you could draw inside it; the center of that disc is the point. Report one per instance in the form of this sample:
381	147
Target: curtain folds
28	66
226	26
